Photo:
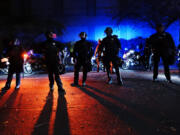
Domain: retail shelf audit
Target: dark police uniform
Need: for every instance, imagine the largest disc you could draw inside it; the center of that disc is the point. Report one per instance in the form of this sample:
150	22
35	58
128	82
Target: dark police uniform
51	50
82	54
110	47
162	46
15	55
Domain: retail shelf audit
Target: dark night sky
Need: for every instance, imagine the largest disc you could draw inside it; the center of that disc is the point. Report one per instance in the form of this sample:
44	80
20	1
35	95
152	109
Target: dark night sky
47	8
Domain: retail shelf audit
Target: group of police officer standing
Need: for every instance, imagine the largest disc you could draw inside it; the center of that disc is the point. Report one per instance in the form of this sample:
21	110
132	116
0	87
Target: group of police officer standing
162	46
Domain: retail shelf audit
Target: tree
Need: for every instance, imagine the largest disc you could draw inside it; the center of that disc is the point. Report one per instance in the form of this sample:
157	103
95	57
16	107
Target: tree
29	28
151	11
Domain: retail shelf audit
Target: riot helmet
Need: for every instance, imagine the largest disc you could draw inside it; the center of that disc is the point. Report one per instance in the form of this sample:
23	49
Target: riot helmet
83	35
160	28
108	31
50	35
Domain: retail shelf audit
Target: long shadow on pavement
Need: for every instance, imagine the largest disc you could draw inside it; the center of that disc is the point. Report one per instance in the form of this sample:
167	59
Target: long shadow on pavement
61	125
163	84
42	125
11	100
137	124
9	103
135	84
3	92
139	108
143	110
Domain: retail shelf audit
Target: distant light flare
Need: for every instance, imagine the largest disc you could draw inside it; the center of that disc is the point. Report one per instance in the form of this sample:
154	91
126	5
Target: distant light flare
4	60
25	56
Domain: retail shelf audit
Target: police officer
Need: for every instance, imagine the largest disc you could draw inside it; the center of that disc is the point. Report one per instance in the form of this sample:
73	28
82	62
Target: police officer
82	55
162	46
110	47
15	56
51	49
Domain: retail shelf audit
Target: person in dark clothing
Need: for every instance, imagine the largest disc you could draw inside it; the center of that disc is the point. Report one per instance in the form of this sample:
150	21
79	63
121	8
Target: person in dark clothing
162	46
82	55
15	56
110	47
50	49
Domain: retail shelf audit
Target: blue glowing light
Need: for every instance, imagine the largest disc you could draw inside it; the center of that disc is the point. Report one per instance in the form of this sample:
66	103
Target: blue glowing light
174	30
127	30
125	49
132	33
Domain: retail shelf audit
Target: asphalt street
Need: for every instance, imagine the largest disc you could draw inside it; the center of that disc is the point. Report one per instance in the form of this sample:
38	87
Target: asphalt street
140	107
